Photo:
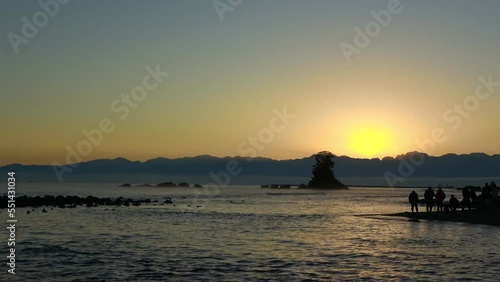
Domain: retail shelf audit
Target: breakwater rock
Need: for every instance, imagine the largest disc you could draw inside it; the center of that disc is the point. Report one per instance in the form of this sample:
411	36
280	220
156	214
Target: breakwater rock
70	201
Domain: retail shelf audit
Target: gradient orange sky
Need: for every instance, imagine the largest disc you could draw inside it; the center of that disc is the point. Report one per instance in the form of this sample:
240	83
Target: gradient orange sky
226	77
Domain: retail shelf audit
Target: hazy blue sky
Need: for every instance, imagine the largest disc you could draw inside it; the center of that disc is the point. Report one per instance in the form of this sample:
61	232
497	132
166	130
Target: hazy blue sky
226	77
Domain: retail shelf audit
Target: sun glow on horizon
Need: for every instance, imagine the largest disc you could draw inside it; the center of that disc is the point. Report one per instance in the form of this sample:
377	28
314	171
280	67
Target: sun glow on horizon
368	141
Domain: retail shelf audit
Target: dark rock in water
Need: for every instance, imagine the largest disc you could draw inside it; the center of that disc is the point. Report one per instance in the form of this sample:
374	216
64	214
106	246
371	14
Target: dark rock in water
168	201
68	201
91	200
277	186
145	185
166	184
105	201
118	202
125	185
197	186
183	184
44	211
323	177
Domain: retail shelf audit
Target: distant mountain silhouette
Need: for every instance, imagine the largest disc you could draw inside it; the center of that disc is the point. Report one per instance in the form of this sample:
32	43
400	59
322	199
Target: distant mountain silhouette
197	169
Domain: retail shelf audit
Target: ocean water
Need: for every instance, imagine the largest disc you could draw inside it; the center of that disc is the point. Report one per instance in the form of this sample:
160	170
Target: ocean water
242	233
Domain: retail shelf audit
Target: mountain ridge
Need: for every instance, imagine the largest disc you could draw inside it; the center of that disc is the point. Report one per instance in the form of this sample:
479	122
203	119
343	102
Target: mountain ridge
411	167
207	156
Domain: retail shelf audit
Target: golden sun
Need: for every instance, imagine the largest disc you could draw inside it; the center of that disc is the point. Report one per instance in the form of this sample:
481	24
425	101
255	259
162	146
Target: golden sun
368	141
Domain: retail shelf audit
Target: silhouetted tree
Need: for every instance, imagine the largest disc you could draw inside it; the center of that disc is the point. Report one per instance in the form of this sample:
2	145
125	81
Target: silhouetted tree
323	172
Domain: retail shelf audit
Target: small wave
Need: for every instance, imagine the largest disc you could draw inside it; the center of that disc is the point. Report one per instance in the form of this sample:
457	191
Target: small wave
50	249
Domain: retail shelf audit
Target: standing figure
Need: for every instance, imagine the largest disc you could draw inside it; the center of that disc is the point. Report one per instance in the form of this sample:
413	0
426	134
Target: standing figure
440	196
466	201
413	199
494	192
473	198
429	199
486	191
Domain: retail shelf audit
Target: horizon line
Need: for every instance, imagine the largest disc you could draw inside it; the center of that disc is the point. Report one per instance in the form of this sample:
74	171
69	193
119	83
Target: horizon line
257	157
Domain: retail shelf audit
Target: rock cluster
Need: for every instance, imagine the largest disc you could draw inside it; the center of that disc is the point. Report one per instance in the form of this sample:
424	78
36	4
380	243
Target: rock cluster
70	201
164	184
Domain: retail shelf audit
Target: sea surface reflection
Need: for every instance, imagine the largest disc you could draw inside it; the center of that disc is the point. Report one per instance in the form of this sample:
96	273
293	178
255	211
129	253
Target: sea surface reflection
243	233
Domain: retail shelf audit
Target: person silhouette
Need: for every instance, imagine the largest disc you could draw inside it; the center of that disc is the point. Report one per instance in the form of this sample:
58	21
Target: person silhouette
454	203
494	192
413	200
486	191
429	199
466	202
473	198
440	196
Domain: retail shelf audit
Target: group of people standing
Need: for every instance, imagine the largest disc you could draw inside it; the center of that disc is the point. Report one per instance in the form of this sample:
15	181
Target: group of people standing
431	198
489	196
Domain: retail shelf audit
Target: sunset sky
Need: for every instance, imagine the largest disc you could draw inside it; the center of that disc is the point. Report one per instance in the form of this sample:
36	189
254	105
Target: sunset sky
227	78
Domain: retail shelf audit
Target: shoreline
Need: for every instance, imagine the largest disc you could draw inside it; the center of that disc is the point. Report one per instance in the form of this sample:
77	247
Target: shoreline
490	217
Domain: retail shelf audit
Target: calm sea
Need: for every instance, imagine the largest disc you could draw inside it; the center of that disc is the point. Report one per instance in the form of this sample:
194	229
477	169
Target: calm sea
245	234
